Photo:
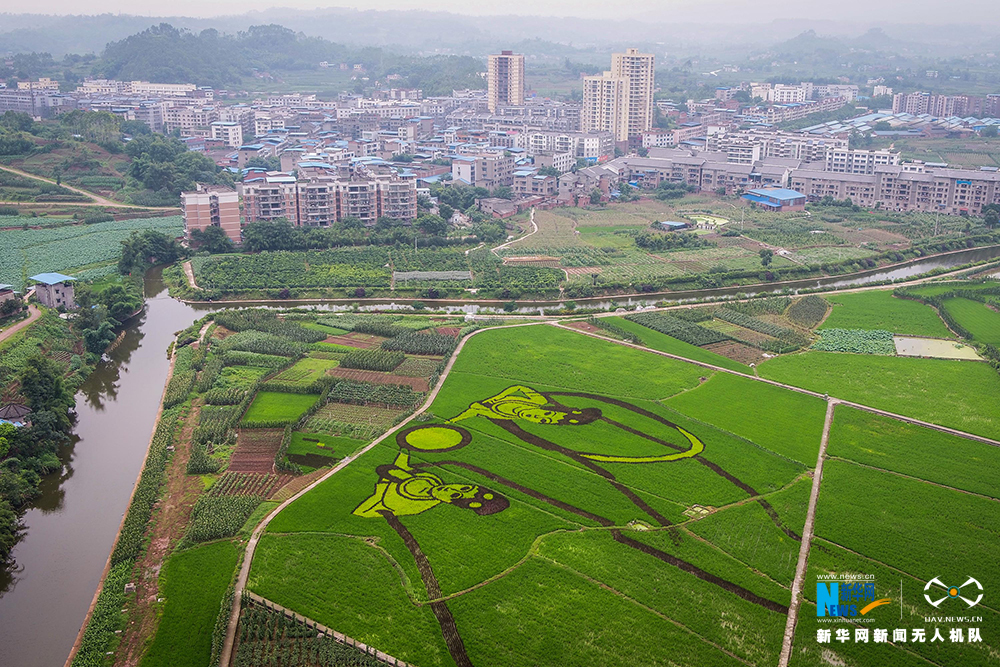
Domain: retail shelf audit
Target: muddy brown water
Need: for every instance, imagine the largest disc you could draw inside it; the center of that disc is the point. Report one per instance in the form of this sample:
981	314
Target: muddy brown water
71	527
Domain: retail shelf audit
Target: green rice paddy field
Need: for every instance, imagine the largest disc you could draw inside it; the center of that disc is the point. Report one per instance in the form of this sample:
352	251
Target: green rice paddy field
571	501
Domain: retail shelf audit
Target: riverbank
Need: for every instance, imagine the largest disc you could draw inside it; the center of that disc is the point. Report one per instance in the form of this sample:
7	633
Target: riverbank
934	265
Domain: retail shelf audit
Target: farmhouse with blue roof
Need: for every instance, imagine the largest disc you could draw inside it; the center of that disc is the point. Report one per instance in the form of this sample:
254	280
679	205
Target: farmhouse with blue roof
54	290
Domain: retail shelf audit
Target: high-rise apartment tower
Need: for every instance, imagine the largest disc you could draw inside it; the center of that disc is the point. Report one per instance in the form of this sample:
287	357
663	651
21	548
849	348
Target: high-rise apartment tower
505	80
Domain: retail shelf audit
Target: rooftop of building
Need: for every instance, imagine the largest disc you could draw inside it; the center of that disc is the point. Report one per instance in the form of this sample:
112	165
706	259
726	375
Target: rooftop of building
51	278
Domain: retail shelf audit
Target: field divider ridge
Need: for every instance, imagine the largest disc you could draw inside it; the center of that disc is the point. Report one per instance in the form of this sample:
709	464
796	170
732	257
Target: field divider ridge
807	535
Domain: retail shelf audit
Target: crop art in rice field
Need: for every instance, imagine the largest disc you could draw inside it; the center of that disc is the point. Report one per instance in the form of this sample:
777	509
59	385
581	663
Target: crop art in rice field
442	464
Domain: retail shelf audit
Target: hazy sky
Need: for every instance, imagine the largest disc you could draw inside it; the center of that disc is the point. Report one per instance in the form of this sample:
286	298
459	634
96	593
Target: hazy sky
707	11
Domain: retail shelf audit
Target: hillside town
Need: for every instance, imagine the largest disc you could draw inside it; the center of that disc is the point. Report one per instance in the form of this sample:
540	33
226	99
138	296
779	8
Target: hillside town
317	161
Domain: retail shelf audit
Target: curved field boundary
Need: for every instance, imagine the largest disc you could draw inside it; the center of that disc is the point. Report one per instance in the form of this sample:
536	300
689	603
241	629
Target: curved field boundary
241	581
322	629
96	200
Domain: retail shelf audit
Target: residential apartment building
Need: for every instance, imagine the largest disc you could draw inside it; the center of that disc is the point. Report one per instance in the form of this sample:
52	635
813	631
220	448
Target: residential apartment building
907	187
212	206
529	183
229	132
639	69
190	121
620	100
324	198
43	83
561	161
505	80
858	161
606	105
590	146
269	196
488	170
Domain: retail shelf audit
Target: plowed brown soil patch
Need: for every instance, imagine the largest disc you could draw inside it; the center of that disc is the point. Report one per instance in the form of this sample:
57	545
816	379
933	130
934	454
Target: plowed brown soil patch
584	326
354	339
417	384
737	352
448	331
255	450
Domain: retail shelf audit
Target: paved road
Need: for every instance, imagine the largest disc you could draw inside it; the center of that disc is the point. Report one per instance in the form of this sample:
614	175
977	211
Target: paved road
97	199
33	314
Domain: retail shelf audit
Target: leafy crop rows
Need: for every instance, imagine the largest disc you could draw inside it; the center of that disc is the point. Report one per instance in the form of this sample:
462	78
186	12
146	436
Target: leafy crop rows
372	360
340	267
270	638
858	341
215	517
421	343
789	336
258	319
31	251
146	492
808	311
679	329
240	358
262	343
366	393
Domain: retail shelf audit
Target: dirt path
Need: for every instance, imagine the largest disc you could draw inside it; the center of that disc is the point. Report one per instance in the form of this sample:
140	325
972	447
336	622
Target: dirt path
167	524
97	199
241	581
807	535
33	314
534	229
189	273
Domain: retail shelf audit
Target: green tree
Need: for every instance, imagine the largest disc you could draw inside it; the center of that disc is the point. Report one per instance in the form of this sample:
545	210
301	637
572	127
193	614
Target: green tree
432	225
274	235
595	197
212	239
766	256
503	192
143	249
43	387
988	131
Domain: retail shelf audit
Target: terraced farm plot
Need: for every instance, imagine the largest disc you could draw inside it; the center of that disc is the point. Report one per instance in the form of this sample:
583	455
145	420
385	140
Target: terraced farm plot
878	309
979	319
375	377
377	419
935	390
823	255
306	371
255	450
273	406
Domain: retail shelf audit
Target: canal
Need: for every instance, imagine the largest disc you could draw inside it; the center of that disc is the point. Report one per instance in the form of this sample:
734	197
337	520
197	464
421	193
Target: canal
71	526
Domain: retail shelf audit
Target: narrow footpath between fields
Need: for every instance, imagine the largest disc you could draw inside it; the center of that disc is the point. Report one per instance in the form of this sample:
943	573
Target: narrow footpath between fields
807	535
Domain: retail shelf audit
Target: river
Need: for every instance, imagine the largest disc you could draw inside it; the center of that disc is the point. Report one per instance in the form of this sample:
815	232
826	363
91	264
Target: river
71	526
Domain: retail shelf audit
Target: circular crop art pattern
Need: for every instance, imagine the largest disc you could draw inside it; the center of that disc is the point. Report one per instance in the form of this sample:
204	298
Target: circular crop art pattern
434	438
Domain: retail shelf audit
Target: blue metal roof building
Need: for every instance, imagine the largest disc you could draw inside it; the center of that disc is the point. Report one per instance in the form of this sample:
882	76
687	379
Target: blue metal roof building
777	199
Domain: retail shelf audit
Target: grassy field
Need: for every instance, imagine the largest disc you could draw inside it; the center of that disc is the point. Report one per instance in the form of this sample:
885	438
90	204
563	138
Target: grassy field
664	343
980	320
935	390
306	371
308	443
278	406
791	426
193	583
915	451
547	556
878	309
